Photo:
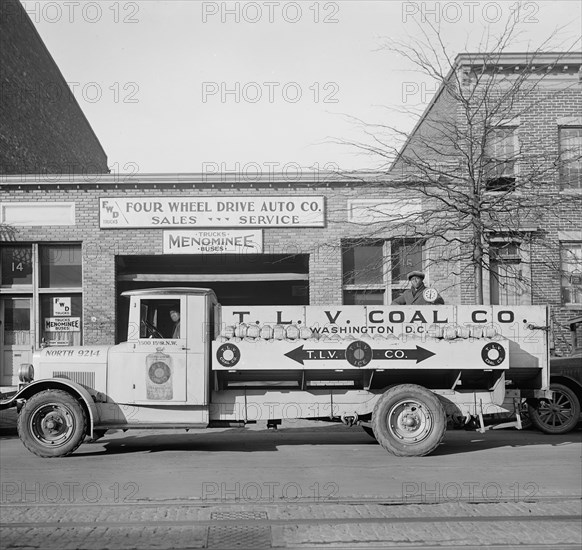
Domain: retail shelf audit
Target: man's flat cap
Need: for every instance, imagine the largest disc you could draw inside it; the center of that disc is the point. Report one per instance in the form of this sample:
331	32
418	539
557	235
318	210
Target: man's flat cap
416	274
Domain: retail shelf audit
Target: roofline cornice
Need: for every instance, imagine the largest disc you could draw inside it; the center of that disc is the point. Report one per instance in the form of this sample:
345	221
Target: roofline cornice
196	179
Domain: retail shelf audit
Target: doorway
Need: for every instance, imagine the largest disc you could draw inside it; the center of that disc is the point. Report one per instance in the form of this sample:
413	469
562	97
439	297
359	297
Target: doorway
15	337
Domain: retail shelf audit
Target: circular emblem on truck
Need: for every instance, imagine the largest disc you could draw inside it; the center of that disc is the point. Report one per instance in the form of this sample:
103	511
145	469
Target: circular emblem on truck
358	353
159	372
228	355
430	294
493	354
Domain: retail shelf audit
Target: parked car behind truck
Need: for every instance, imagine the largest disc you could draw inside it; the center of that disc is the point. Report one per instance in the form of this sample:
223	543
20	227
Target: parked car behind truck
562	412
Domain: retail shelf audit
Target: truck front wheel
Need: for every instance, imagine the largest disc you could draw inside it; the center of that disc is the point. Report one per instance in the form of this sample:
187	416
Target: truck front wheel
52	423
409	420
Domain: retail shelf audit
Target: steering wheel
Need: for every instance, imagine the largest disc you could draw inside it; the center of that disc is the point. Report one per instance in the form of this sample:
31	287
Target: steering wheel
151	330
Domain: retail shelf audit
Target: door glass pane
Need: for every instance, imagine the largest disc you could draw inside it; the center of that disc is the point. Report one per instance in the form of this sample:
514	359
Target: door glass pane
16	321
16	265
60	266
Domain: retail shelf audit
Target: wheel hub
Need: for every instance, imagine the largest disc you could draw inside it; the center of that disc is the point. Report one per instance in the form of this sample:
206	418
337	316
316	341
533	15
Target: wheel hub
52	424
409	421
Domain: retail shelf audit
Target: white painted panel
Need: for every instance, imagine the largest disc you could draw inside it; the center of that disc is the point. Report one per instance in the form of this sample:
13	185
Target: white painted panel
37	213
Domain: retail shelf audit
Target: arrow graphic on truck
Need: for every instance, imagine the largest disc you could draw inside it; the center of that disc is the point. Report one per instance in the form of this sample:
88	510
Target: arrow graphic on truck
359	354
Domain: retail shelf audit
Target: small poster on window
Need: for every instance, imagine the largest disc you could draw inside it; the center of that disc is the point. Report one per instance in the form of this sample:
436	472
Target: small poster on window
53	324
62	307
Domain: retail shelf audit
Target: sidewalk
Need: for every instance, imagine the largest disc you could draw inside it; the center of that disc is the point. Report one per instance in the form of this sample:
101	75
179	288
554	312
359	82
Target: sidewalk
221	525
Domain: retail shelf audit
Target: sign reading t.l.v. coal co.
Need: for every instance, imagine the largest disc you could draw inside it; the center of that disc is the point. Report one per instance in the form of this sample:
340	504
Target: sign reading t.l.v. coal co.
166	212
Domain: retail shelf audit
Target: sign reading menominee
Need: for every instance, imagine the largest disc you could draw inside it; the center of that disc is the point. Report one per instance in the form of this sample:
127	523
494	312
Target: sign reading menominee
165	212
225	241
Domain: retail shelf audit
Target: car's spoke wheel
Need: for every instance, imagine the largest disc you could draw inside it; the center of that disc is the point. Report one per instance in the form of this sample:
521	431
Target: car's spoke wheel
558	416
52	423
409	420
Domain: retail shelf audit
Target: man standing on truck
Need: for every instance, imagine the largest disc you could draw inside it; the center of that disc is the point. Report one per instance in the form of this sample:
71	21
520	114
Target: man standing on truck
418	294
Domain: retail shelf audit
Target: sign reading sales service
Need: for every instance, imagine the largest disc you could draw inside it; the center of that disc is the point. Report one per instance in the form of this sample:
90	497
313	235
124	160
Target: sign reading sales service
221	241
166	212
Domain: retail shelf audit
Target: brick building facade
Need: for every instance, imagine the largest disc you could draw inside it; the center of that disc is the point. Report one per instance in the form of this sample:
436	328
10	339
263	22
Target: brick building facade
516	170
42	127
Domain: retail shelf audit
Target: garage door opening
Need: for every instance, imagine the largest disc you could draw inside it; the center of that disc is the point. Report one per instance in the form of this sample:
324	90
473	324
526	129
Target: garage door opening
250	279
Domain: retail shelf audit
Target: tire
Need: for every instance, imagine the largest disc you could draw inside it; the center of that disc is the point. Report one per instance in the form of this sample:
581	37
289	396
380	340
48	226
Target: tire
52	423
558	416
409	420
369	431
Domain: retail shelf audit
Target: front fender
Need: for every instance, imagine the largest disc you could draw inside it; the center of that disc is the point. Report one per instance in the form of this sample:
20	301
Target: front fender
78	391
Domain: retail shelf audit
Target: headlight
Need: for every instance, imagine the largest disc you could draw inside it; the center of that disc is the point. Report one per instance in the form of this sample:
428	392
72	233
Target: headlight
26	372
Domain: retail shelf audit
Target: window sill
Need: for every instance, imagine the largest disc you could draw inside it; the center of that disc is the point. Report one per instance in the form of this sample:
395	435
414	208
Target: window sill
364	287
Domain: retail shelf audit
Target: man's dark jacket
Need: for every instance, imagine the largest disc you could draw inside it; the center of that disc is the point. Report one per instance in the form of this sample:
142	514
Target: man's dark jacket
414	297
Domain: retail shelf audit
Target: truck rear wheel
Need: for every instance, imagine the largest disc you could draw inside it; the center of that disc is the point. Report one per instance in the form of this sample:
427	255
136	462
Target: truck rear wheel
52	423
558	416
409	420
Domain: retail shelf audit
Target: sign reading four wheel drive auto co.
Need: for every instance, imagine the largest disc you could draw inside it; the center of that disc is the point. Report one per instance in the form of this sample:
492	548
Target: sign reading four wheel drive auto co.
166	212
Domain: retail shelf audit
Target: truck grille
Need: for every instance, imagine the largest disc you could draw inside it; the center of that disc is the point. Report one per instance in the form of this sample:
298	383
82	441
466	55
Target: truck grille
83	378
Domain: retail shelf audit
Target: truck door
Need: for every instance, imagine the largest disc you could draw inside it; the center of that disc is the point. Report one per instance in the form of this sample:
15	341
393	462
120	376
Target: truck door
155	371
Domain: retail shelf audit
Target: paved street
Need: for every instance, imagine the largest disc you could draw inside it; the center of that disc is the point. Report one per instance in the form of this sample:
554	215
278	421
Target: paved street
314	485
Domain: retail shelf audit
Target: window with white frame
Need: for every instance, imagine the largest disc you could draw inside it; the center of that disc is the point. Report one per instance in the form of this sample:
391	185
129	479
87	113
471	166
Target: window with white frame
571	256
364	272
508	285
50	278
500	158
375	271
570	139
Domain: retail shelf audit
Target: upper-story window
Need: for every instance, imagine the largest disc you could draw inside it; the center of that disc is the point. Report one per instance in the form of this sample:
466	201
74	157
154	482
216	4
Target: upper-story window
500	164
571	273
570	139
